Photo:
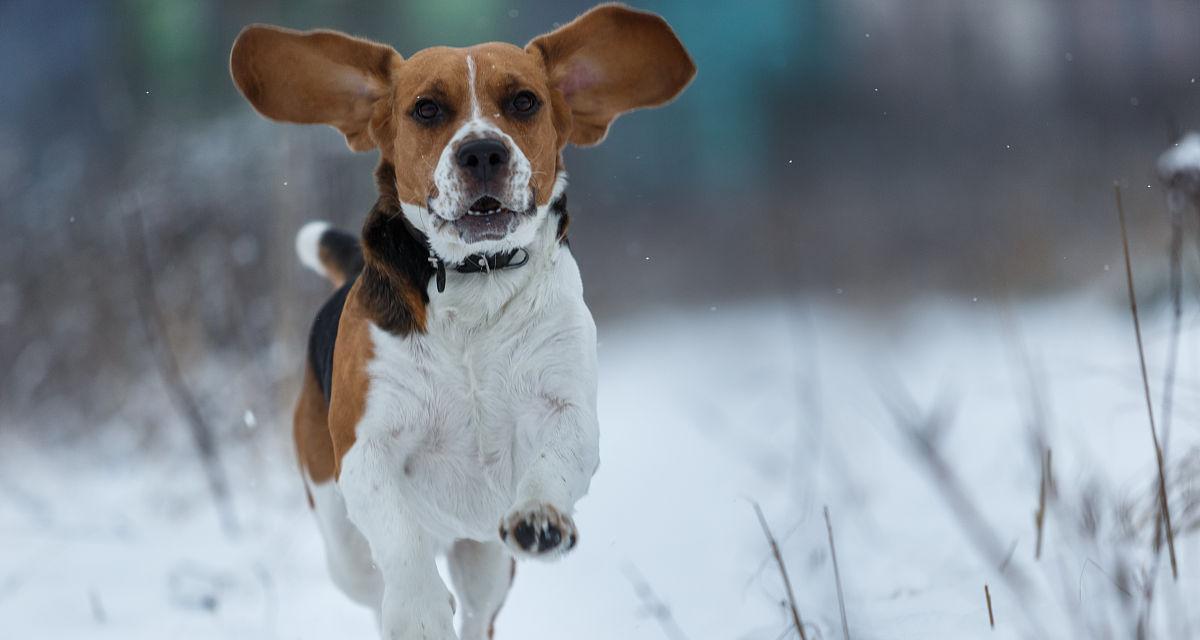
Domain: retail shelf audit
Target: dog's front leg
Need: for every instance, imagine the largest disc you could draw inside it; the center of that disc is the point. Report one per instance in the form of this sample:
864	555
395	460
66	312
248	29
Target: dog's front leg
540	525
416	604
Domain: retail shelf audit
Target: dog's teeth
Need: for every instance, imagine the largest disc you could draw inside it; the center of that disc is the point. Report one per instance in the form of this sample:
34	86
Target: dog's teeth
486	212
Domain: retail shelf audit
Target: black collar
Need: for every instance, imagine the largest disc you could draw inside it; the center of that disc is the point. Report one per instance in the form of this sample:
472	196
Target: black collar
479	263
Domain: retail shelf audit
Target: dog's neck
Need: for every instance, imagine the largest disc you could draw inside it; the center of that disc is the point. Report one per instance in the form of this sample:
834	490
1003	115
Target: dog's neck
472	300
403	278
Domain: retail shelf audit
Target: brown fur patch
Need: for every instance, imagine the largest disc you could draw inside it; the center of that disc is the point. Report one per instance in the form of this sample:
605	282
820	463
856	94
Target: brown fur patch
440	73
390	293
348	394
311	431
610	60
314	77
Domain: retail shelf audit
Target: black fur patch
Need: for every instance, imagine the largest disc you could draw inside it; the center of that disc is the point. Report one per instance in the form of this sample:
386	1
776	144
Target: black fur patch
564	219
343	250
323	336
397	270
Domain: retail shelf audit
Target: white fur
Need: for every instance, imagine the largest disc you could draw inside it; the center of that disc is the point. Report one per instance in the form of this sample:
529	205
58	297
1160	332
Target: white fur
347	553
308	245
481	573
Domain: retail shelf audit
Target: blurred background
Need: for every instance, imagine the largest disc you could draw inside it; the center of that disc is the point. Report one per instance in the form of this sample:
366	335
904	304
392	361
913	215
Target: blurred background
862	153
866	149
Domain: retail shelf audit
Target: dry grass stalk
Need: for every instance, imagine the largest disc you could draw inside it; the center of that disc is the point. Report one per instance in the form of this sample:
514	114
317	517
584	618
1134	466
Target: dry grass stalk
155	326
1176	288
987	595
787	581
1176	292
1137	329
655	606
922	433
837	577
1039	517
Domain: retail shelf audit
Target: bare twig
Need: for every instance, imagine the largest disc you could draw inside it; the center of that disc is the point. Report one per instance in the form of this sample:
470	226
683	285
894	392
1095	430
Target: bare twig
837	577
1137	329
655	606
1039	517
1176	291
1012	549
918	431
169	370
99	615
1176	287
787	582
34	506
270	597
1037	422
987	595
1089	562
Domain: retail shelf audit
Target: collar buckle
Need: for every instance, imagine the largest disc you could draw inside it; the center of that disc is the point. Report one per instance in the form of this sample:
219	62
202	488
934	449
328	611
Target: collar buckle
439	269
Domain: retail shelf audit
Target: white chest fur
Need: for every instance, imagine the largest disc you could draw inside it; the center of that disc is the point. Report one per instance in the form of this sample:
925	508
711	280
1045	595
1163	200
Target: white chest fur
457	416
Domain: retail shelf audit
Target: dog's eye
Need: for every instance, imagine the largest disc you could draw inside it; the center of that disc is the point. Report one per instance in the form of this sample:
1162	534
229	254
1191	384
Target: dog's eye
426	110
524	104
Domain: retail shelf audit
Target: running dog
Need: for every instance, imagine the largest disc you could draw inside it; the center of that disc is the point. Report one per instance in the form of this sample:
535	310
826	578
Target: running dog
449	398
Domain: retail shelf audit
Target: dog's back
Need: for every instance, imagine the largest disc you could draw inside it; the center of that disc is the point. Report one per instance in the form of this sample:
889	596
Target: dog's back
336	255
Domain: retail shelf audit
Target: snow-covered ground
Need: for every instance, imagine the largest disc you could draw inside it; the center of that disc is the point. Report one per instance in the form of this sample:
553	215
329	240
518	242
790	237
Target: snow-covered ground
703	411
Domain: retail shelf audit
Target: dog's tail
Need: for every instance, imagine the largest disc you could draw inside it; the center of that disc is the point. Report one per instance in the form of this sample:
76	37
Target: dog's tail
330	252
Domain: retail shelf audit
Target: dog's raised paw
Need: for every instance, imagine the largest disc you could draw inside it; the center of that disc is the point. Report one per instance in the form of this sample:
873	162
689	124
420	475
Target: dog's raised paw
538	530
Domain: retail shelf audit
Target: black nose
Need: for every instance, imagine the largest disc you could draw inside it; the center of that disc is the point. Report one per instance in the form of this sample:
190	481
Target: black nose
483	158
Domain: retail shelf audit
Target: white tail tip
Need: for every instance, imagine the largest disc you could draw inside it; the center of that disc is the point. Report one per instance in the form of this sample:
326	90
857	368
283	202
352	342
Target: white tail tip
308	245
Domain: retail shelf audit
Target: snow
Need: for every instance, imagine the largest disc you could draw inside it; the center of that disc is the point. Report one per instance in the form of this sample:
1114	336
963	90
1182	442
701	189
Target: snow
703	411
1183	157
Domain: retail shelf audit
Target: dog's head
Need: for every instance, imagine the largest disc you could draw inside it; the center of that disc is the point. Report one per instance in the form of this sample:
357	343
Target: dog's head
475	134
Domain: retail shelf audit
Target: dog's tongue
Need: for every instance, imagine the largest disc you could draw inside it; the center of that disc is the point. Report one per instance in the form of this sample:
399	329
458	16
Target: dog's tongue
486	204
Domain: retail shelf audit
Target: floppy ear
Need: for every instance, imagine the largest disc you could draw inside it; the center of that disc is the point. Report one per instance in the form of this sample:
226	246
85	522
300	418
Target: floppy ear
311	77
610	60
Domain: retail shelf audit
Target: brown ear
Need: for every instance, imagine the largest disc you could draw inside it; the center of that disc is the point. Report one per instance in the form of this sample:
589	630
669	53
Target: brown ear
311	77
610	60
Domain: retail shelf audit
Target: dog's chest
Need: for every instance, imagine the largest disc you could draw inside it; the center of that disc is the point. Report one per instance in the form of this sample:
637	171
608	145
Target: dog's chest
459	409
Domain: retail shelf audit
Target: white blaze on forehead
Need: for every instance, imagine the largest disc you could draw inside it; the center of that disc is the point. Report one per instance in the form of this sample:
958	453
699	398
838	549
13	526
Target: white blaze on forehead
475	114
451	201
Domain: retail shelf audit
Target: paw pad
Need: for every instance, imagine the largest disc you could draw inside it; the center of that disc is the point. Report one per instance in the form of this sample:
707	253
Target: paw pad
538	531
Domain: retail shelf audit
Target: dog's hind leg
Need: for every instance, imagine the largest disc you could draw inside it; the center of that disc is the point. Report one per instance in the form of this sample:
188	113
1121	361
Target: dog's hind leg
346	551
481	573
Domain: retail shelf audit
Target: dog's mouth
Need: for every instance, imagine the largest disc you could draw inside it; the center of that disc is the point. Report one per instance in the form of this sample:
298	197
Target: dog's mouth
486	219
486	206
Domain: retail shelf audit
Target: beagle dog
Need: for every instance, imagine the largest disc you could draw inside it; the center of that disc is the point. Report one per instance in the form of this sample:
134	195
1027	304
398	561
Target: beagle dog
449	398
